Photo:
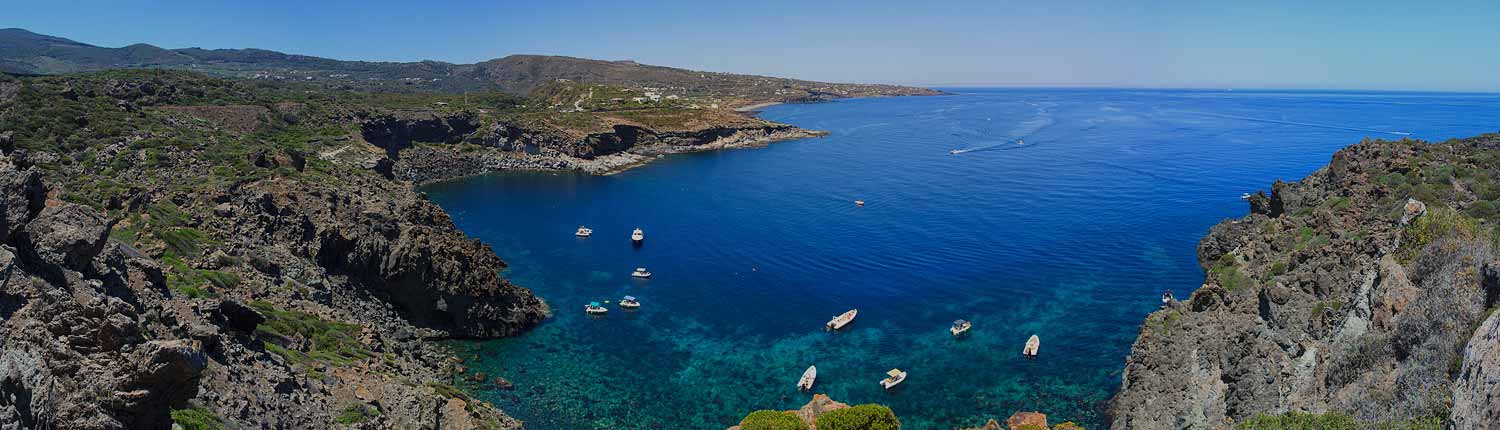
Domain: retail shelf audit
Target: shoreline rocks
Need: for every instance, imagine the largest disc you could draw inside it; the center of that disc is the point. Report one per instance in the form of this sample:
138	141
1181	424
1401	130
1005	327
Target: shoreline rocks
1353	291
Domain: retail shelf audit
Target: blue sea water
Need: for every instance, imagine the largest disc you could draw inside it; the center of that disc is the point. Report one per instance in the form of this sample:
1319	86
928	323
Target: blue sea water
1071	236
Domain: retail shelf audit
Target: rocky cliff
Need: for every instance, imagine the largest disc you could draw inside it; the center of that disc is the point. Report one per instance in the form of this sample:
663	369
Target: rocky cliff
426	146
167	261
1366	289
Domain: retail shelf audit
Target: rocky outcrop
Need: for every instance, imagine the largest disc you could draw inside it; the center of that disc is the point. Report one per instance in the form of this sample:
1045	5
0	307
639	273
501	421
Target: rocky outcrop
1476	396
74	351
92	336
507	146
397	130
1353	290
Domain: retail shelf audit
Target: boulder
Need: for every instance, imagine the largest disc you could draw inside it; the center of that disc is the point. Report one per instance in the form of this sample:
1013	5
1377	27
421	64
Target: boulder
1027	421
67	235
819	405
21	197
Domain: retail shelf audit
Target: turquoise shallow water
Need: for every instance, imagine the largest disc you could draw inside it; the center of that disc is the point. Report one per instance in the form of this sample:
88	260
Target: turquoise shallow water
1070	236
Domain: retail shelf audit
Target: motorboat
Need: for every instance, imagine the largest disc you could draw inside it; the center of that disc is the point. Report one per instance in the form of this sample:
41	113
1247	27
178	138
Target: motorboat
640	272
808	377
959	327
1031	346
859	202
584	232
893	378
637	236
842	320
629	302
594	308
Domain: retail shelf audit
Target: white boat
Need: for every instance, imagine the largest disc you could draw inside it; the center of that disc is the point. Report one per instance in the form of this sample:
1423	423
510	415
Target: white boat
859	202
629	302
1245	196
959	327
955	152
640	272
842	320
1020	142
584	232
1031	346
595	309
808	377
638	236
893	377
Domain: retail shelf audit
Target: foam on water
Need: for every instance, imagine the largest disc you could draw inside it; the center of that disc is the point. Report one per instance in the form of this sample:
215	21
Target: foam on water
1072	239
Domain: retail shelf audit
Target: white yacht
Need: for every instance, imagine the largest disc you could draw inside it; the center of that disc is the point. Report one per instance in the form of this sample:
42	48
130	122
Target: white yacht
637	236
640	272
584	232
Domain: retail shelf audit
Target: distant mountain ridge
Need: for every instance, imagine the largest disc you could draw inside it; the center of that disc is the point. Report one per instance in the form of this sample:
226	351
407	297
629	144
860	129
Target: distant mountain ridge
25	52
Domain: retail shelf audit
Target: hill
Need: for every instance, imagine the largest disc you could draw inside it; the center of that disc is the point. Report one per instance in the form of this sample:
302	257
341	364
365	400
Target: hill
25	52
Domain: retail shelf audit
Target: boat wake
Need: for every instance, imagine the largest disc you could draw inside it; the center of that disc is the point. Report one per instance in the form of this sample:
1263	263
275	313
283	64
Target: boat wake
1009	145
1302	124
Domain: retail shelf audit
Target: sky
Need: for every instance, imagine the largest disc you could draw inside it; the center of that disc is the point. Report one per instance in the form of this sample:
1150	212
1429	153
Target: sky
1372	44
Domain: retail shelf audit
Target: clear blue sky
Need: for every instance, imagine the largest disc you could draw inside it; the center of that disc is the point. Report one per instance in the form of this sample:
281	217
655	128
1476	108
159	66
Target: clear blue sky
1374	44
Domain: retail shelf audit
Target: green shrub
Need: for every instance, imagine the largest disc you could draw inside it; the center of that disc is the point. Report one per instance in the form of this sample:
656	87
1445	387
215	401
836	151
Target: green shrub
447	391
196	419
183	241
862	417
220	279
357	413
772	420
1229	273
335	343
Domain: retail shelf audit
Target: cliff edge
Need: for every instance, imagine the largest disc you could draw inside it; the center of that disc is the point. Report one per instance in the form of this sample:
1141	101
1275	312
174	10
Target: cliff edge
1366	290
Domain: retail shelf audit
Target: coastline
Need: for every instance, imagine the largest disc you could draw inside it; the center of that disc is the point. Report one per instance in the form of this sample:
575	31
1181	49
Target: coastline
755	107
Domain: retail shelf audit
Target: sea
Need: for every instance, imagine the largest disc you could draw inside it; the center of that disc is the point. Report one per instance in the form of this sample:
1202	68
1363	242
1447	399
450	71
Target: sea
1064	214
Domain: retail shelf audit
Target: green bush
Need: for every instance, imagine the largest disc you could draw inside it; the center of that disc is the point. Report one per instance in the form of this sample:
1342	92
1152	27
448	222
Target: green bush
772	420
357	413
1229	274
862	417
335	343
196	419
183	241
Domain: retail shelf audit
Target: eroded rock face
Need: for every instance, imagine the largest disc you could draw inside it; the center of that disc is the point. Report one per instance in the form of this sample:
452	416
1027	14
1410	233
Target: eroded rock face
1332	295
404	249
92	337
72	348
395	131
1476	396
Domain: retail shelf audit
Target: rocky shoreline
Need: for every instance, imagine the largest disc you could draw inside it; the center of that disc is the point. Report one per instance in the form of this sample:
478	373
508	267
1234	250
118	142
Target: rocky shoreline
461	148
1364	292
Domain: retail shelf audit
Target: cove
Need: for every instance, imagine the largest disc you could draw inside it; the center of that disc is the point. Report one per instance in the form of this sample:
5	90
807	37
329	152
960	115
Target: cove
1066	215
